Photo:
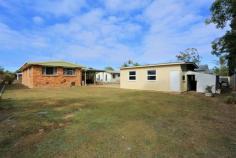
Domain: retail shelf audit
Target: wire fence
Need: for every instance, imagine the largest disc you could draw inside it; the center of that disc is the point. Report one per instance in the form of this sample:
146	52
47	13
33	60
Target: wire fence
2	88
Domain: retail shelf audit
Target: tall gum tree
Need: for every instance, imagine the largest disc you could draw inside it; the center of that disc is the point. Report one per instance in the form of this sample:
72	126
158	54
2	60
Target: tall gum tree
223	12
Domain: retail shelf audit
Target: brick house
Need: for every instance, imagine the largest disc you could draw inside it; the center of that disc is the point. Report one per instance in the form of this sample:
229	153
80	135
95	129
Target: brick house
51	74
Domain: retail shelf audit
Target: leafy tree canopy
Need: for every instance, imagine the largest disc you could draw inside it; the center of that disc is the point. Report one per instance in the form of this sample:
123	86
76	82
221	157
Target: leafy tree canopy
130	63
109	68
223	12
222	68
1	70
189	55
6	76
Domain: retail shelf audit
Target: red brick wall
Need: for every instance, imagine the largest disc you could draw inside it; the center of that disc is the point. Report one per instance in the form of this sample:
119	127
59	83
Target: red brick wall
27	78
36	79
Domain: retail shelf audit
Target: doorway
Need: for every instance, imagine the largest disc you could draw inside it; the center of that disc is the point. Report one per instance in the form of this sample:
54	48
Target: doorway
175	81
192	83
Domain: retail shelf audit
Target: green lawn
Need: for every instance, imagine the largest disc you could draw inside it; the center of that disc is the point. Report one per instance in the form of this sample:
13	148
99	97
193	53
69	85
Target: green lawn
108	122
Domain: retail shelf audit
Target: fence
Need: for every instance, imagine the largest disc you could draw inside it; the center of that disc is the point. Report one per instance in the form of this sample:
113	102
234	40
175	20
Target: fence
2	88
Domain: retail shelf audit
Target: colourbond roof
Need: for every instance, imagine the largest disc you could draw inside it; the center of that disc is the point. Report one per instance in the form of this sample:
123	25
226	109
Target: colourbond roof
161	64
53	64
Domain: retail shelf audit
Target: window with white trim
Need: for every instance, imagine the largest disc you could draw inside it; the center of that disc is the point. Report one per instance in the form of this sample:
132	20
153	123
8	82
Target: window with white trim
49	71
69	71
132	75
151	75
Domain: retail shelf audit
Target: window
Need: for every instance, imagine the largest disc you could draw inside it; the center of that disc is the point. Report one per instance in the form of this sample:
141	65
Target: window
183	77
49	71
132	75
151	75
69	71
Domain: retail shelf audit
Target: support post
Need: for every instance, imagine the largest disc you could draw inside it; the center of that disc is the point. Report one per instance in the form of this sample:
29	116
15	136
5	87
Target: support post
94	78
85	82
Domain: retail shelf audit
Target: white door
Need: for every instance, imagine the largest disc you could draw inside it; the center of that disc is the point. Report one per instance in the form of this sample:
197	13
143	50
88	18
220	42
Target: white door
175	81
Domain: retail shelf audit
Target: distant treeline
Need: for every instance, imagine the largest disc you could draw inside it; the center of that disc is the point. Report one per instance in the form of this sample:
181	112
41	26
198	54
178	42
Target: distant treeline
6	77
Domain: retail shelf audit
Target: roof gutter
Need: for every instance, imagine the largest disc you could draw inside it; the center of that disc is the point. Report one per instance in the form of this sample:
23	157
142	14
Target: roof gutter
157	65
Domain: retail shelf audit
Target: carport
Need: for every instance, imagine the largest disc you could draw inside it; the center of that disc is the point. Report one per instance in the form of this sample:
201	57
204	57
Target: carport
89	76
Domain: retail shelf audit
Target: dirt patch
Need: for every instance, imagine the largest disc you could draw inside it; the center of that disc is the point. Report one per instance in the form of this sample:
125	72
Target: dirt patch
29	140
73	106
69	116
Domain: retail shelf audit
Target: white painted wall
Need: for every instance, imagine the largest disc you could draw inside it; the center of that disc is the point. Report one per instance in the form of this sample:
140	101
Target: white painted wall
233	82
204	80
106	77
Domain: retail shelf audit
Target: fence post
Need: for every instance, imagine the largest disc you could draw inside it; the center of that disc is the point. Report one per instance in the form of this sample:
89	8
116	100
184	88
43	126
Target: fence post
2	90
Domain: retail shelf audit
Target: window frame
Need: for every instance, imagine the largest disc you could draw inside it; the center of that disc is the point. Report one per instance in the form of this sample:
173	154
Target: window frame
69	69
152	75
135	75
44	71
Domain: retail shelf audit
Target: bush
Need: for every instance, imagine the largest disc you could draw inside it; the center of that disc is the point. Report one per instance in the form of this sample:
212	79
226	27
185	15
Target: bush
9	78
230	100
6	77
208	89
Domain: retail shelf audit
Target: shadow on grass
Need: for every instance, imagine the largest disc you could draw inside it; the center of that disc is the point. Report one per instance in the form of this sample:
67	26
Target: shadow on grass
25	119
16	86
131	124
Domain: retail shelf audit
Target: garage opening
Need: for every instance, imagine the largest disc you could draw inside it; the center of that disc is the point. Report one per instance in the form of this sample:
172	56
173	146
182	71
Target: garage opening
89	76
192	83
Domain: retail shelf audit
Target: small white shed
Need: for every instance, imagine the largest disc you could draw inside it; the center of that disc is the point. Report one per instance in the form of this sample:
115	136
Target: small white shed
203	80
108	77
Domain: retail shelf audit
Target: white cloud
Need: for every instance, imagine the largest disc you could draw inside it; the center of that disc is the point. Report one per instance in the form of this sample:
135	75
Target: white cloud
15	40
175	26
38	20
155	33
121	5
85	37
59	8
91	36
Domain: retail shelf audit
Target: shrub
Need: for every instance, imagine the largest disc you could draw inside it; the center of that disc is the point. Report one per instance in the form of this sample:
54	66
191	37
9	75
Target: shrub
230	100
209	89
9	78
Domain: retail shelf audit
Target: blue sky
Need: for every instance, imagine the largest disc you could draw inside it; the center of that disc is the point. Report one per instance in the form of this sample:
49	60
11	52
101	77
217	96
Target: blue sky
103	32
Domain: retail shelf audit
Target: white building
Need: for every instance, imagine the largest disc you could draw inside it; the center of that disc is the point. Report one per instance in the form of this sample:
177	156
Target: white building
233	82
108	77
202	80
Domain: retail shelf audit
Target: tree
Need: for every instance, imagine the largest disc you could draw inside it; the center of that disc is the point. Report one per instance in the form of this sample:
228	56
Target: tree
109	68
222	69
189	55
222	13
1	70
125	65
136	64
6	76
9	77
130	63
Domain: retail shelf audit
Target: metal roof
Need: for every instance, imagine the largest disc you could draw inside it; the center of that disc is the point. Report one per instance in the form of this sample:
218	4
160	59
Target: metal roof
113	72
92	70
52	64
202	68
162	64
